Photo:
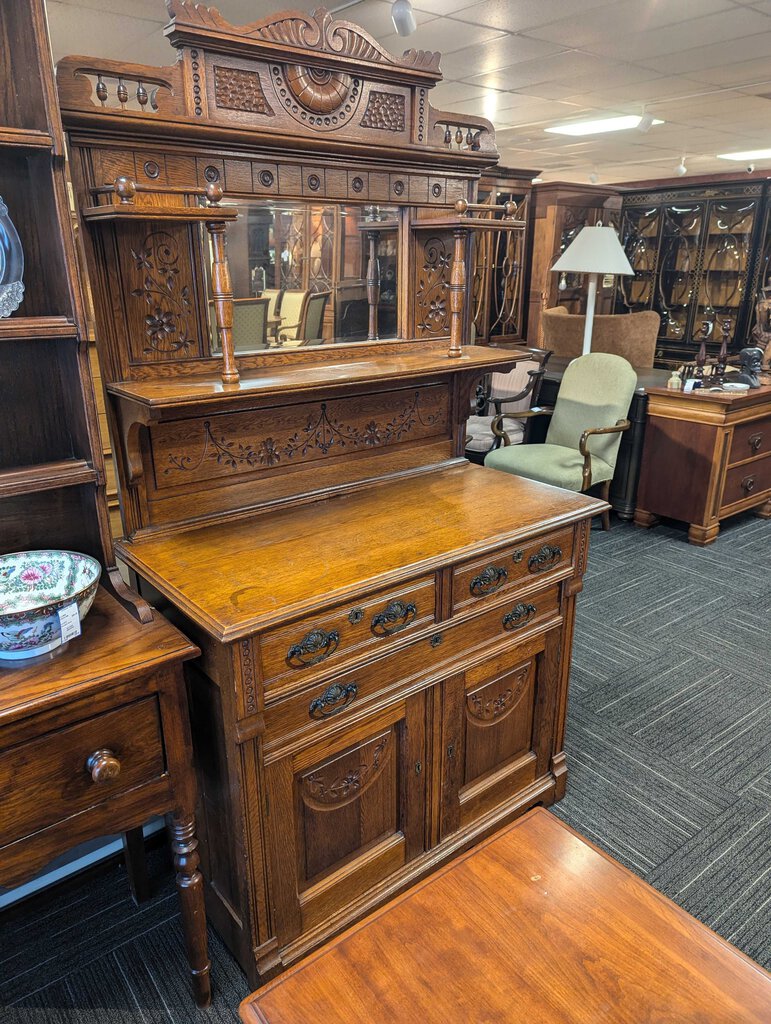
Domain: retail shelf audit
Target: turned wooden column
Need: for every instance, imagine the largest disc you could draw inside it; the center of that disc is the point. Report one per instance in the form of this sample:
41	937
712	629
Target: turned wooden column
457	292
184	846
373	285
222	290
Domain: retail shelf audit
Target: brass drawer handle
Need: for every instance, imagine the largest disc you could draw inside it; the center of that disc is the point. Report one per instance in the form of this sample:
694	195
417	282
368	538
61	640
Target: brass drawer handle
748	484
519	616
488	581
544	559
393	619
333	700
755	441
103	766
313	648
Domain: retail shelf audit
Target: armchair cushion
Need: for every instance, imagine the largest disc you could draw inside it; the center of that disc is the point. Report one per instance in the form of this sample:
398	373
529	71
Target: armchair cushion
548	463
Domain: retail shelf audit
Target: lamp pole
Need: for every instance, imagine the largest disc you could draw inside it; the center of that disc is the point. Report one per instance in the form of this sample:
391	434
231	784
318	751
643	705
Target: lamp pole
591	299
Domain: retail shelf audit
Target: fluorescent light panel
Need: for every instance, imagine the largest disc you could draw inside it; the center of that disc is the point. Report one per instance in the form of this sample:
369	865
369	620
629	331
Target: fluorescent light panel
605	124
751	154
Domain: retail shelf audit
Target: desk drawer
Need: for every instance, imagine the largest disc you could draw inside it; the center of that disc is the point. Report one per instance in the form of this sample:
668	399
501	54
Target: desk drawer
545	558
299	652
438	654
747	481
750	440
61	773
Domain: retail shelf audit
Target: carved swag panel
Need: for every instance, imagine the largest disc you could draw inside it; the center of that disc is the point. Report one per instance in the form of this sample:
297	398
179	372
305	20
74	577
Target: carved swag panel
499	717
233	444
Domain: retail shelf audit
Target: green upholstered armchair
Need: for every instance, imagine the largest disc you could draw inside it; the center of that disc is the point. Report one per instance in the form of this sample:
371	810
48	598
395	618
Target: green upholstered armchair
585	430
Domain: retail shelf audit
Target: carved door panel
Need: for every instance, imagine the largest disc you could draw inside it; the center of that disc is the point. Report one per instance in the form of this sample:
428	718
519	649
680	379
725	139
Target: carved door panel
344	814
490	736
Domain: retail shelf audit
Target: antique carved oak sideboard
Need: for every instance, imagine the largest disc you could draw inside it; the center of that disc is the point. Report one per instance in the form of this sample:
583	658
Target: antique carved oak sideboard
385	629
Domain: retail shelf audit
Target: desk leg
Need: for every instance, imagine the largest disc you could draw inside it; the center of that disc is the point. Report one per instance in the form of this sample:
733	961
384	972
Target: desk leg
184	845
702	535
764	511
644	519
136	864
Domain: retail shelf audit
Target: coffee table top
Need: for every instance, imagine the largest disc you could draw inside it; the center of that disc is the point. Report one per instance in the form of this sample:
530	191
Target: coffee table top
535	925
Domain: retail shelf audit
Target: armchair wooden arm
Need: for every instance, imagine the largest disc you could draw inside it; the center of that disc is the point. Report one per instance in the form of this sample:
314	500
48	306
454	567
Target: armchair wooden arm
619	428
526	414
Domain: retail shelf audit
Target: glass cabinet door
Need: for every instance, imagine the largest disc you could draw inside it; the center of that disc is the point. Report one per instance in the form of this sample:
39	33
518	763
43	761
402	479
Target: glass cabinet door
679	258
640	237
725	263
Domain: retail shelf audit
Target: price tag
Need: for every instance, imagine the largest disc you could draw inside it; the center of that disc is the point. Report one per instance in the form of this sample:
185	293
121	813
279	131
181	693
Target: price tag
690	384
69	621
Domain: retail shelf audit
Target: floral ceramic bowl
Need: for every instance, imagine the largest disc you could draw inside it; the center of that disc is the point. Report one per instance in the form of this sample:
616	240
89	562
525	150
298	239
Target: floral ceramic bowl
34	585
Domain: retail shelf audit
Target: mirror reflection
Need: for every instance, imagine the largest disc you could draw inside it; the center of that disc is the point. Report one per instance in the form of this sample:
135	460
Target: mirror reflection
299	273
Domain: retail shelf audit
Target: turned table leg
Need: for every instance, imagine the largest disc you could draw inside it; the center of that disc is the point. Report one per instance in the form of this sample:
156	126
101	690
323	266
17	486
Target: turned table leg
184	845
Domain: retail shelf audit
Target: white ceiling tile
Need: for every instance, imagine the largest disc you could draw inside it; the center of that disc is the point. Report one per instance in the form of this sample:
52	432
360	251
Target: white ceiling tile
443	35
504	51
525	14
567	67
715	54
443	7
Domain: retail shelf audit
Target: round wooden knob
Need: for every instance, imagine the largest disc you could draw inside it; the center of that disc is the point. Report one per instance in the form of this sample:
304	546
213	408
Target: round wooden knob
214	193
125	189
103	765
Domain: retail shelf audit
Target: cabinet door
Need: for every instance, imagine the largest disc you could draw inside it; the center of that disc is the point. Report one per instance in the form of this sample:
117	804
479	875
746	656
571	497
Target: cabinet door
640	226
725	263
678	268
497	730
344	814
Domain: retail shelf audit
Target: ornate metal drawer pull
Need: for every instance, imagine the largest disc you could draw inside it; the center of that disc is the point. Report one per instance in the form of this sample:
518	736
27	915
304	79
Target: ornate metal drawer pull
393	619
748	484
755	441
488	581
313	648
544	559
519	616
333	700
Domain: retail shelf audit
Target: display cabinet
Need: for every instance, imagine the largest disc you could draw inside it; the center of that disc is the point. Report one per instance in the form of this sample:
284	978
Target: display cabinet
383	672
558	211
697	254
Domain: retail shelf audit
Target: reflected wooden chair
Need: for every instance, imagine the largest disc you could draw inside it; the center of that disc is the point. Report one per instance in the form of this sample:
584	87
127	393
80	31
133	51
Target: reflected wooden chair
516	392
310	326
292	305
274	297
591	409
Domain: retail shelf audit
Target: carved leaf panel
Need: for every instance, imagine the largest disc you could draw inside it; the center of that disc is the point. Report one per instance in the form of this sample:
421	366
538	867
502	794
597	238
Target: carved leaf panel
432	266
236	444
498	721
348	802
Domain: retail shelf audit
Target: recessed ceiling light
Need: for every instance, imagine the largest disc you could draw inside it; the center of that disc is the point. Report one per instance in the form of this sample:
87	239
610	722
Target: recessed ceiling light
750	154
605	124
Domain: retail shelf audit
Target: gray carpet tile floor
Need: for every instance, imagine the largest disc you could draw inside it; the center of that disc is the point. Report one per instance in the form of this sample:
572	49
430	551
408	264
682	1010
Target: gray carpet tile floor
669	745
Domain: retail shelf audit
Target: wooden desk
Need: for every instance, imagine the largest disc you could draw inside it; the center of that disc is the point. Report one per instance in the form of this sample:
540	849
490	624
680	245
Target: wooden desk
534	925
707	456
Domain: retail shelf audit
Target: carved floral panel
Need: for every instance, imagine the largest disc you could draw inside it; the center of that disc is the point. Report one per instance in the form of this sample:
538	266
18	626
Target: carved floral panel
234	444
499	722
433	265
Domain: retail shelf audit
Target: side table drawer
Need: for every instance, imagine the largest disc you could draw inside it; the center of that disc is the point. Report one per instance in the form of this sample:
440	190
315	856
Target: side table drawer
750	440
63	772
546	557
747	481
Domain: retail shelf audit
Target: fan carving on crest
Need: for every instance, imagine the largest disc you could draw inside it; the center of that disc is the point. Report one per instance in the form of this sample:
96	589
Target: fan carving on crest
322	98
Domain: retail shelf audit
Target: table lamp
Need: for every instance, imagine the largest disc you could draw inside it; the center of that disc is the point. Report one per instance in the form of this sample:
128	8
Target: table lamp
594	250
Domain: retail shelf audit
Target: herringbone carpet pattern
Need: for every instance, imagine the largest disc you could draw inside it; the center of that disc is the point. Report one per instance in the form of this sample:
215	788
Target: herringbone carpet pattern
669	744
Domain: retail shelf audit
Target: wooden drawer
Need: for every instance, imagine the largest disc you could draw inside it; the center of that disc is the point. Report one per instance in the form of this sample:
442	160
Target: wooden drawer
546	557
427	659
750	440
47	779
747	481
299	652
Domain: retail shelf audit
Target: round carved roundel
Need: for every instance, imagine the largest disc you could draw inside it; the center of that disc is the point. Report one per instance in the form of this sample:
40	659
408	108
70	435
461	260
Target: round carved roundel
319	97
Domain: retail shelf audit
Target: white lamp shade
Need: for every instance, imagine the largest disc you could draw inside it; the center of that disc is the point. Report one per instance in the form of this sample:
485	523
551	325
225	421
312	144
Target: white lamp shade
594	250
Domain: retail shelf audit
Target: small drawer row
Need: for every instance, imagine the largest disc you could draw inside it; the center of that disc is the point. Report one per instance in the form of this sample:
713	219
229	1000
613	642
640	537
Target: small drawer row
750	440
292	655
303	714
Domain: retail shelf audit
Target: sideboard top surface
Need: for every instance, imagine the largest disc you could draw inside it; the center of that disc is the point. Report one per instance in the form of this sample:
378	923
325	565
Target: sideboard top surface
238	576
422	361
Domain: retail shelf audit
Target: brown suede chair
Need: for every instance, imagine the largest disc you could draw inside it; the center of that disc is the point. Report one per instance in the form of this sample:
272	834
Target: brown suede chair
631	335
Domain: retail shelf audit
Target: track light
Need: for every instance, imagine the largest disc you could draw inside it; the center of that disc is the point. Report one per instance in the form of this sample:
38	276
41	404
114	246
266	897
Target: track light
403	17
646	123
681	169
594	177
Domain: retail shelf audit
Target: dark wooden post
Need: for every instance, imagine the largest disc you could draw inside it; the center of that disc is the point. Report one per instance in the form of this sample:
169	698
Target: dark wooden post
373	285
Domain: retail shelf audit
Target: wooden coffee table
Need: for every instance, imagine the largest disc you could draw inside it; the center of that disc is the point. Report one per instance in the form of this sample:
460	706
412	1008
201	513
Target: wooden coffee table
535	925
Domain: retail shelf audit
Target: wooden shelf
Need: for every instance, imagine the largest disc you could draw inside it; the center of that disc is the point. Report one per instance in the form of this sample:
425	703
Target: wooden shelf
22	138
130	211
46	476
20	327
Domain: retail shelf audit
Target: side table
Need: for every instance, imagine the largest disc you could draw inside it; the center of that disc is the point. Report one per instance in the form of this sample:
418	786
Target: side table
97	741
707	456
